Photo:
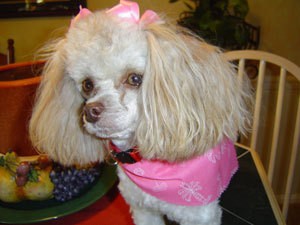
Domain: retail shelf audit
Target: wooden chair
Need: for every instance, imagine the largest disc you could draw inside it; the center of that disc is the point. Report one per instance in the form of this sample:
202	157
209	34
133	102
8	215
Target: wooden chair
18	83
275	131
9	57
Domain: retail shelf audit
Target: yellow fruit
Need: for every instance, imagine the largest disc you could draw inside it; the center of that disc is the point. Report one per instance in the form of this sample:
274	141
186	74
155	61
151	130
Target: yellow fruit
40	190
9	192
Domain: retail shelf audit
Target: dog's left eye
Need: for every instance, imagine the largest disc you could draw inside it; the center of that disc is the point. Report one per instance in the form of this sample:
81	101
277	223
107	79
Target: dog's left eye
87	86
134	79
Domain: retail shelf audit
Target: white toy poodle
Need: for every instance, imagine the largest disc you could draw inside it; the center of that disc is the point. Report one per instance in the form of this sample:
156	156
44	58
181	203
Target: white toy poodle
161	102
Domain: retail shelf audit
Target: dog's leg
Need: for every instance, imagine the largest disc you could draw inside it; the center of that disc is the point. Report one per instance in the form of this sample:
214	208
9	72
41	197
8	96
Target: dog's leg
143	216
144	208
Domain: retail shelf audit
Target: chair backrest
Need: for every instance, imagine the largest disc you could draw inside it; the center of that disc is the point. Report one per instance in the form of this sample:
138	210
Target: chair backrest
276	117
18	83
9	56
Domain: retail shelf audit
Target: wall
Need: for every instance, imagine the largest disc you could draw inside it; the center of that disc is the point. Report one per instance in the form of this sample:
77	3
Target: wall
278	19
280	26
31	33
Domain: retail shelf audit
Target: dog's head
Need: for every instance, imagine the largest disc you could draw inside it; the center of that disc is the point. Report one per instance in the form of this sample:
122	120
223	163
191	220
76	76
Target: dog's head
153	85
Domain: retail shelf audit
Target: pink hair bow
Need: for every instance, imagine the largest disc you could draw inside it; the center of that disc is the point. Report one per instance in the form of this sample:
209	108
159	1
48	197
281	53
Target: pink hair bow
83	12
125	10
130	12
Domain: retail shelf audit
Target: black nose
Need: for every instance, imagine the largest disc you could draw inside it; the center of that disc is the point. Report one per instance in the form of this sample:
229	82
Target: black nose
92	111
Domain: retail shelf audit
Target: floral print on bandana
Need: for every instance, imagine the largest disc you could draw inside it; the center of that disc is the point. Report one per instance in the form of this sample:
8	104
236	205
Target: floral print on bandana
191	190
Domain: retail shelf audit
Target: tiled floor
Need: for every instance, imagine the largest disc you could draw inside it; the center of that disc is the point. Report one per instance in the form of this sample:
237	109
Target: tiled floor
245	201
294	214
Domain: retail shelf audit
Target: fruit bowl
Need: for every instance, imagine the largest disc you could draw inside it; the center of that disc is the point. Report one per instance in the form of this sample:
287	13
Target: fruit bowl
37	211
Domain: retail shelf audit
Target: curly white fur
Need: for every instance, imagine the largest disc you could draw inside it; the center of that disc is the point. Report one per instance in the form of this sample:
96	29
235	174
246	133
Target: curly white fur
189	100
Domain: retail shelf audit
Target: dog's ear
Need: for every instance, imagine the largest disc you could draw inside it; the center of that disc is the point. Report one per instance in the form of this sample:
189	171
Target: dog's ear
55	126
191	98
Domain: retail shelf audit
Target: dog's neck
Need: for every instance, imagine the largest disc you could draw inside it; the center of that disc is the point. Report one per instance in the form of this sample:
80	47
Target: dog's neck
122	144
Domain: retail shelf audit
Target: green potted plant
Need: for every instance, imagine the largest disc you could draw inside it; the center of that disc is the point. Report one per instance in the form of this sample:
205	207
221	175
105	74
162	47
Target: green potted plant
220	22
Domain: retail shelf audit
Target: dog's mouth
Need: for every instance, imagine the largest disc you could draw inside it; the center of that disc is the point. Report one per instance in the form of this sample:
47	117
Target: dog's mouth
109	121
109	125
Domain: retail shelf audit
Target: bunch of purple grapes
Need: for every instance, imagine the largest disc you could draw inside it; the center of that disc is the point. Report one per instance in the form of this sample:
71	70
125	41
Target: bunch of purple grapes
70	182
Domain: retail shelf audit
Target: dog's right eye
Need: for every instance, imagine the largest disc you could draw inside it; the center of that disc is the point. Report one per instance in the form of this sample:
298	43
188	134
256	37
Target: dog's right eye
87	86
134	79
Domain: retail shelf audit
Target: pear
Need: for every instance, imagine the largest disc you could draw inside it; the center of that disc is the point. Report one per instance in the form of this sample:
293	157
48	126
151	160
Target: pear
9	191
17	183
40	190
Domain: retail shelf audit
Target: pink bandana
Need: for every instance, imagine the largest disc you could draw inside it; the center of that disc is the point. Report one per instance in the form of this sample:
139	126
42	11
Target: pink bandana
198	181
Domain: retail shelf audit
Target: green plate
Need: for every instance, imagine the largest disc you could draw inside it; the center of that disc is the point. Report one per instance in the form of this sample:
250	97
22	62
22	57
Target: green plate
38	211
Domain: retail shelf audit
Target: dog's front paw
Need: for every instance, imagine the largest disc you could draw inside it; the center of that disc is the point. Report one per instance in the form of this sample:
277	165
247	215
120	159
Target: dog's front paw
143	216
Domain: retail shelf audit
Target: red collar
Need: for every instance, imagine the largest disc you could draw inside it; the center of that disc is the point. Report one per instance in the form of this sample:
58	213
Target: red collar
129	156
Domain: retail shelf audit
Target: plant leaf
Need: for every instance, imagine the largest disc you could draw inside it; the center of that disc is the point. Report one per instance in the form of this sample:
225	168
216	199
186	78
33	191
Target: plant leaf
240	7
33	175
11	162
2	161
221	5
190	7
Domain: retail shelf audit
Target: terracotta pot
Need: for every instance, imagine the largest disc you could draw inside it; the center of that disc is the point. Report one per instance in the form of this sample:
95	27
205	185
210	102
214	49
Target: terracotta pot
18	84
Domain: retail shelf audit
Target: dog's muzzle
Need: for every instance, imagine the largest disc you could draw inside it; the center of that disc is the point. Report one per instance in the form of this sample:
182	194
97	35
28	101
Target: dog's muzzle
92	111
